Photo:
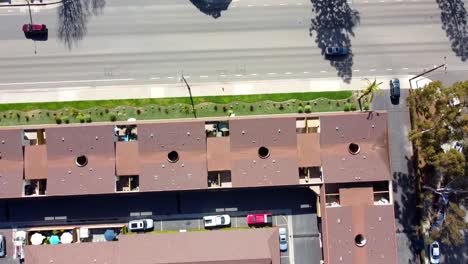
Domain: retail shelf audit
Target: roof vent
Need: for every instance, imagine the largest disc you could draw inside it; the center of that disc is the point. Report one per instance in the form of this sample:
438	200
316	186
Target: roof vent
354	148
360	240
173	156
263	152
81	161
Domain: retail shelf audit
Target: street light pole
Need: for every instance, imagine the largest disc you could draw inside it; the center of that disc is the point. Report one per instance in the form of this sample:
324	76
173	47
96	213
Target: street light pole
190	93
29	8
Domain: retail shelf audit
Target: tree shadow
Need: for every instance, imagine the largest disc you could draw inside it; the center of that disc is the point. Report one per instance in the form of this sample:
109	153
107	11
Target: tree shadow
212	7
404	186
454	22
73	18
333	23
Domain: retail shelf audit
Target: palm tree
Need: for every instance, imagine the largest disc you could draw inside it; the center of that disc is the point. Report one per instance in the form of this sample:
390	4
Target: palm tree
371	88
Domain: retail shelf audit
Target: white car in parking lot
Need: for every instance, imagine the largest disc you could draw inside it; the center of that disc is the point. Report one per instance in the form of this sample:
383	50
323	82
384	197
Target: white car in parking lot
140	225
283	239
216	220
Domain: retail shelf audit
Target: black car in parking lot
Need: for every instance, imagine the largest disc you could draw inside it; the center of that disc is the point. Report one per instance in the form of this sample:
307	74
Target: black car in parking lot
394	89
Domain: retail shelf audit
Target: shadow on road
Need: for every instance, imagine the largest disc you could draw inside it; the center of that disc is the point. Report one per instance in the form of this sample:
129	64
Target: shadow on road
333	24
454	22
73	18
212	7
405	209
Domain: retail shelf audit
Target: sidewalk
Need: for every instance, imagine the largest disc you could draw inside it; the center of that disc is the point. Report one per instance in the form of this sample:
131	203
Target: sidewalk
178	89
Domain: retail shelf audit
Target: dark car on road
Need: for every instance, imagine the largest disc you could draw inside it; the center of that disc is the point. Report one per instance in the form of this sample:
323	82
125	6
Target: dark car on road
35	31
394	89
336	51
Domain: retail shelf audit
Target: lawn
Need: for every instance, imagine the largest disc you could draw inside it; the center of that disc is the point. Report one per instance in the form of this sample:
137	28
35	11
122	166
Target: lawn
169	108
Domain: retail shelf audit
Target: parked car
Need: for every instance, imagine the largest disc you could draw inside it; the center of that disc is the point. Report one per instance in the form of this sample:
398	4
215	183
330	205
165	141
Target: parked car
2	246
35	31
394	89
336	51
216	220
283	239
259	219
434	253
140	225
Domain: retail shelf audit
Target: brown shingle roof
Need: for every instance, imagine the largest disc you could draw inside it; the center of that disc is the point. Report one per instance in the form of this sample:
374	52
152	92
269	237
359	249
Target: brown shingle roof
308	146
279	136
369	131
35	162
65	144
127	158
156	141
218	153
11	163
356	215
193	247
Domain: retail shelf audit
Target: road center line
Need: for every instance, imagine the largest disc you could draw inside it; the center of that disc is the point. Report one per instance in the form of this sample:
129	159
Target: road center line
77	81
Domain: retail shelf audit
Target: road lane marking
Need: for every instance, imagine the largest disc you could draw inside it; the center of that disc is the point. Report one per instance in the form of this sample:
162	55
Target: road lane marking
238	75
372	70
271	73
405	68
77	81
203	76
266	5
170	77
283	4
253	74
155	78
389	69
323	71
306	72
288	73
357	70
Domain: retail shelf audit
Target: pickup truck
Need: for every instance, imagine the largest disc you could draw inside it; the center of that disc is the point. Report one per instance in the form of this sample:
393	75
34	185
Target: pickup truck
216	220
260	219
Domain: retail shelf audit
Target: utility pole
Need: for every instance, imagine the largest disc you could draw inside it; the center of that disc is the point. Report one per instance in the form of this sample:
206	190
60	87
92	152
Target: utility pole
30	19
190	93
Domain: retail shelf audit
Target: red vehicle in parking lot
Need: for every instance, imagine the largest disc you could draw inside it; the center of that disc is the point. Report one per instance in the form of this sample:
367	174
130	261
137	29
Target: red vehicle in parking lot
260	219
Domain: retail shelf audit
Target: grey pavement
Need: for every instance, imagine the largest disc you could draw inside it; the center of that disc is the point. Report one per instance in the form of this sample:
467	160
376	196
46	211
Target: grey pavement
401	155
155	41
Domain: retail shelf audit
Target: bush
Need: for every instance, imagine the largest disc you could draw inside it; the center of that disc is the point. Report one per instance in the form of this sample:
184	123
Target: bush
113	118
88	119
101	113
47	114
138	111
252	108
308	109
58	120
215	107
18	115
166	111
27	118
224	108
230	112
281	107
65	119
366	107
329	101
300	110
348	100
337	104
352	107
315	103
106	110
346	108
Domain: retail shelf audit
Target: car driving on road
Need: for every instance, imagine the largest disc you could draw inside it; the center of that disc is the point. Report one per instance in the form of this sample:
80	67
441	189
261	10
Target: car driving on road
259	219
216	220
141	225
33	31
336	51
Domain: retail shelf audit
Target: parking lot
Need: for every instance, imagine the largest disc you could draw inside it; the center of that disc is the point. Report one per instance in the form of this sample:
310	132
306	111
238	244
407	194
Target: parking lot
293	208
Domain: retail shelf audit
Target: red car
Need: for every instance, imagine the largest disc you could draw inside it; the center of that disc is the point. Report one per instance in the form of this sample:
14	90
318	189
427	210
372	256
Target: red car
35	31
260	219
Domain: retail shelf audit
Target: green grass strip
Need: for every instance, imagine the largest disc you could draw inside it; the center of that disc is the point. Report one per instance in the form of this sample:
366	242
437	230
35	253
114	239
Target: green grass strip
334	95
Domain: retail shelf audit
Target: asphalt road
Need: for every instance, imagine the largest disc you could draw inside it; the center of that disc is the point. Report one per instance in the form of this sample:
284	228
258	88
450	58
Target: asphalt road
146	41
